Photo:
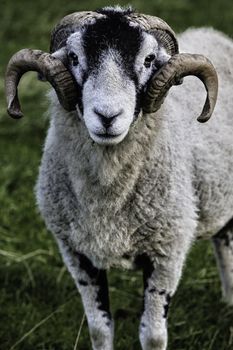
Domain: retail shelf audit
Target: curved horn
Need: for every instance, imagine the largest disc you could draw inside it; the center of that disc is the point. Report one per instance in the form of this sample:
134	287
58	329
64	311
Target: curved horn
160	29
155	25
47	65
68	25
176	68
53	69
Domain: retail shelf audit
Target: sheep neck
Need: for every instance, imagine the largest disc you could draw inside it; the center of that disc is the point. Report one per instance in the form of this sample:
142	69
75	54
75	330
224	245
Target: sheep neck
105	170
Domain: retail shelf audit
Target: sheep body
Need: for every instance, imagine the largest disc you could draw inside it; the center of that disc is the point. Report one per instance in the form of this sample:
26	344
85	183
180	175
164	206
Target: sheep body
211	143
143	201
165	178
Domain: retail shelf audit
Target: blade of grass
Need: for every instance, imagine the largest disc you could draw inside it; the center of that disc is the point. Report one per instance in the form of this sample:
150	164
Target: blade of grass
44	320
79	332
27	334
20	258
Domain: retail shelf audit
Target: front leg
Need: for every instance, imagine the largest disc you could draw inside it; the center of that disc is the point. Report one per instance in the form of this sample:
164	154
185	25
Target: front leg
161	277
93	287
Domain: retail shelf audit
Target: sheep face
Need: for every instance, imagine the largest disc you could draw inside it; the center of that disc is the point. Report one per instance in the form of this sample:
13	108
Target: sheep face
104	64
112	61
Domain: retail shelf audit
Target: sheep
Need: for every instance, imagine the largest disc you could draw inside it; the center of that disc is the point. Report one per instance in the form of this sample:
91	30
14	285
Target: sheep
128	178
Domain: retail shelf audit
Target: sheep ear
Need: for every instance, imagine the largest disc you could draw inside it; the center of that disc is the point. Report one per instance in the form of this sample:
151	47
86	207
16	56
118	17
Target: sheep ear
60	54
162	58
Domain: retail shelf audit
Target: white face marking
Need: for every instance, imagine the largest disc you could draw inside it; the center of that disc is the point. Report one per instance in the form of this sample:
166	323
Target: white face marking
75	44
148	47
108	92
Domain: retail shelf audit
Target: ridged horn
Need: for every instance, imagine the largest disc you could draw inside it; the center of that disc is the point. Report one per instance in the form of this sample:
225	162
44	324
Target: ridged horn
68	25
155	25
159	28
179	66
45	64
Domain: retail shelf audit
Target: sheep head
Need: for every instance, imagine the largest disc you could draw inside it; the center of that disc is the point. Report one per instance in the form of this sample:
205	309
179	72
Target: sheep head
110	65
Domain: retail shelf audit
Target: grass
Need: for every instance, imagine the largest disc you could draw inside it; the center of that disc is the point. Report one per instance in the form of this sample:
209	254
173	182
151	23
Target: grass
40	308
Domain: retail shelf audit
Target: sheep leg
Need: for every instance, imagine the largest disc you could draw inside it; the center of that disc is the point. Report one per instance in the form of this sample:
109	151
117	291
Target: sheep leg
160	283
223	246
93	287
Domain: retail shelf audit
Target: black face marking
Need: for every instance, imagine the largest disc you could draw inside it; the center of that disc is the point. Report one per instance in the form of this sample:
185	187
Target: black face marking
139	99
113	32
152	290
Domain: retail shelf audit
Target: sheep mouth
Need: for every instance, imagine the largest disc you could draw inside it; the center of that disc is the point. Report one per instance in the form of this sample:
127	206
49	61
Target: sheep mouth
107	135
108	138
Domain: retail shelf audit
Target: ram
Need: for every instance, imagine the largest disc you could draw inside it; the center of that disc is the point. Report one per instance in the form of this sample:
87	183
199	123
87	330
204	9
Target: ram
129	178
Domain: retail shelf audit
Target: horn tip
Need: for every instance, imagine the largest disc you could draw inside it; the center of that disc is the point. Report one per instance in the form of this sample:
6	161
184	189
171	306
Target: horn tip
15	114
203	118
14	109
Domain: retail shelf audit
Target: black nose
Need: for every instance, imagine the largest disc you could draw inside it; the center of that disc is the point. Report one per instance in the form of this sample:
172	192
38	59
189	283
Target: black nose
107	119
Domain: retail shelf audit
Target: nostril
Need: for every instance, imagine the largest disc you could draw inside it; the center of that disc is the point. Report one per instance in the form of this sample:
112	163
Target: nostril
107	119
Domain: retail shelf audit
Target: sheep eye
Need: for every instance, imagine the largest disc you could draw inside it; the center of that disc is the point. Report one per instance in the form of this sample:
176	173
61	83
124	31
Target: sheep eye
148	60
73	58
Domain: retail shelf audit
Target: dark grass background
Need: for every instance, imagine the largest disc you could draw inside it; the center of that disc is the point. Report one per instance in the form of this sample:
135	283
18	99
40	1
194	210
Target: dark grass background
39	306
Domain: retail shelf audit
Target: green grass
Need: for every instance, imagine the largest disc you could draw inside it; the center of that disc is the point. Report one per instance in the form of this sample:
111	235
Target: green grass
39	306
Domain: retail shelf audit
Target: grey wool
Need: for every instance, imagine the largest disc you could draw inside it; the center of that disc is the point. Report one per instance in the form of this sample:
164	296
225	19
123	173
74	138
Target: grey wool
170	174
168	183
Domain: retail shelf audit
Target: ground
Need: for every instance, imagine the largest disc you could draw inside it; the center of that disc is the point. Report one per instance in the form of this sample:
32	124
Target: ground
40	308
